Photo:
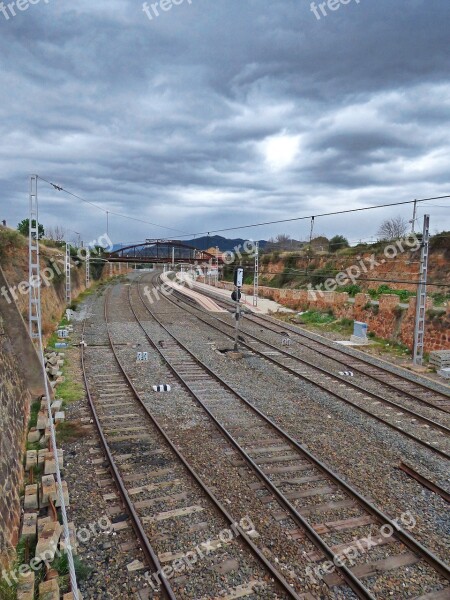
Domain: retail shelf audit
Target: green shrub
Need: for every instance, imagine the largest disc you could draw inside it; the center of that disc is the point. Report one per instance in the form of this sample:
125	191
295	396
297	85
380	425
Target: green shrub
9	239
351	289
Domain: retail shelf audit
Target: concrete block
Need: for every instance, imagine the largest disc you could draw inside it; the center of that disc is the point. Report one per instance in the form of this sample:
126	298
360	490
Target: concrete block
31	460
34	435
48	540
53	371
29	528
65	495
42	420
60	362
43	442
56	406
31	501
46	454
42	522
61	379
48	489
60	417
25	586
49	590
73	539
50	462
69	596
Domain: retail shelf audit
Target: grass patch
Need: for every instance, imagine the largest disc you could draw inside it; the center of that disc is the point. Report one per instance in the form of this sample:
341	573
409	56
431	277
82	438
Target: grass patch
315	317
70	391
322	321
8	592
69	431
404	295
61	564
34	411
440	299
390	347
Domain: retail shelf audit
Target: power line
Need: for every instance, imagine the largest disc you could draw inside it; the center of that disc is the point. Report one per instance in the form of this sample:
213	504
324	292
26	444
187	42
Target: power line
61	189
251	226
309	217
332	275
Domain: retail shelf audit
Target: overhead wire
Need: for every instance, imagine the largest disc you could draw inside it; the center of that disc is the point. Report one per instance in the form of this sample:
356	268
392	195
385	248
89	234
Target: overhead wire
107	211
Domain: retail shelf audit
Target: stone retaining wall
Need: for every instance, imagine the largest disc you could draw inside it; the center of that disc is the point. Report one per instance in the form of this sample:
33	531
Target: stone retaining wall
14	413
387	320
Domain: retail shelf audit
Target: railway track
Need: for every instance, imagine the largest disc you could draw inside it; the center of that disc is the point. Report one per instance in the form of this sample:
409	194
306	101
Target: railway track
310	500
420	428
418	392
414	390
174	515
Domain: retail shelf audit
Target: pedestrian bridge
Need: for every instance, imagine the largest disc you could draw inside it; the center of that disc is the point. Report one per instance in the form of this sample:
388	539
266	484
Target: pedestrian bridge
160	251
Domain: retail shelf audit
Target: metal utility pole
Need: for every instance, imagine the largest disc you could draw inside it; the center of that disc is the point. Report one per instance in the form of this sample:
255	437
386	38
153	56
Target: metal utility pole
310	242
34	309
256	276
107	223
419	325
67	271
413	221
88	268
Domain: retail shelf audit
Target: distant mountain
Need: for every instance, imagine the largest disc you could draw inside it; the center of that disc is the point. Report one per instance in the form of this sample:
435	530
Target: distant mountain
211	241
208	241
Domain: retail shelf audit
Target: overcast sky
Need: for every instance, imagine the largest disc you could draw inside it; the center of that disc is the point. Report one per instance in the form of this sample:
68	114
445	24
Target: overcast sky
218	113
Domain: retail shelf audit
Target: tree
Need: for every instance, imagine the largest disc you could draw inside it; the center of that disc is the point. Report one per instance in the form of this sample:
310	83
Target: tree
56	234
392	229
320	243
337	242
24	228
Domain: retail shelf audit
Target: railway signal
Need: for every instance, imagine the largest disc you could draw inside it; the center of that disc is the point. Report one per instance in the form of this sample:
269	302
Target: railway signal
236	297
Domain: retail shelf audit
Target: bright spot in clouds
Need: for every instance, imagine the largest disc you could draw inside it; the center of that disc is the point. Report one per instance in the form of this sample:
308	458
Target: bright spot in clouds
280	151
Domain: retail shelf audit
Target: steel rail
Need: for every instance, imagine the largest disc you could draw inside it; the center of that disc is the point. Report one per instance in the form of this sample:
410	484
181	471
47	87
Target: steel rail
327	390
266	319
253	548
355	584
356	386
433	487
147	548
346	573
253	318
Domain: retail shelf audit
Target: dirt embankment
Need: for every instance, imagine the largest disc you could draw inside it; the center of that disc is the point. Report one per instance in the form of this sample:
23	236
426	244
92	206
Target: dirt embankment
14	261
395	271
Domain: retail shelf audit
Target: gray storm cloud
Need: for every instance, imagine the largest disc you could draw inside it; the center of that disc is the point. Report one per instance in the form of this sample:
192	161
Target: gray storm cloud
220	113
